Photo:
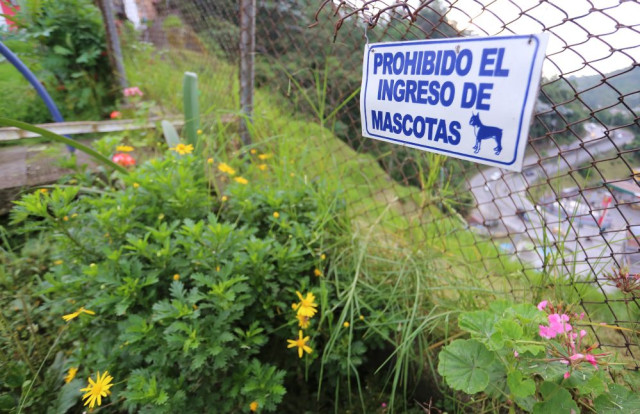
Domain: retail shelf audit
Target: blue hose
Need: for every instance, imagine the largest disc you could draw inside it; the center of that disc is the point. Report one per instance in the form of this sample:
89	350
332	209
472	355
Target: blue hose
44	95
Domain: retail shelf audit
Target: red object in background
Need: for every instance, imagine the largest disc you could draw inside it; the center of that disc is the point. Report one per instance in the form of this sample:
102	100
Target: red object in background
9	9
115	115
605	204
125	160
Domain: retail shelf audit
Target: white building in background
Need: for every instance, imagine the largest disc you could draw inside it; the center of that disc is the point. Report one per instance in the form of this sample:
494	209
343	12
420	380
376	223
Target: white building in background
137	12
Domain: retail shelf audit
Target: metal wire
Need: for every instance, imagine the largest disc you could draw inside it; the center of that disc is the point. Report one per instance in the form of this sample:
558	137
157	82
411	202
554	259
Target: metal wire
547	223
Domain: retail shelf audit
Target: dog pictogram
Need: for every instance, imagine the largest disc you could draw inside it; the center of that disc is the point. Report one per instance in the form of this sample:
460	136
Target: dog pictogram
485	132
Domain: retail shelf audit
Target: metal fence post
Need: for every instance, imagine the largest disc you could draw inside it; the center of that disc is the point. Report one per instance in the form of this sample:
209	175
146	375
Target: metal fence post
113	42
247	55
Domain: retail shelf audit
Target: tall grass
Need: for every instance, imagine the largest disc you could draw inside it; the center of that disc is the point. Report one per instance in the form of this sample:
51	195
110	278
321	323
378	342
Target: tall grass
407	261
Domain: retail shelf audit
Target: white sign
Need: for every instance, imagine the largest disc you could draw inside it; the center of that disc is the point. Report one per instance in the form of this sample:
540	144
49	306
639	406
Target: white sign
470	98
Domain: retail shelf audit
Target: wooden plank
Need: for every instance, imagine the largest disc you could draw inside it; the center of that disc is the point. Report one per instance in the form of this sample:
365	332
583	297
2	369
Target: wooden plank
85	127
25	166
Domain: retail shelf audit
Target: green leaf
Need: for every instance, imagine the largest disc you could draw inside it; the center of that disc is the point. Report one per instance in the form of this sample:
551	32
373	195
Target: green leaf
506	331
587	381
618	400
479	324
466	365
7	402
557	400
67	397
61	50
549	371
519	386
170	134
528	313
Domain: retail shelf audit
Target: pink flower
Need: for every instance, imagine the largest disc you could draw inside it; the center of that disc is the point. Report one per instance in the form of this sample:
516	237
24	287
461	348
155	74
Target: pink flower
123	159
516	354
542	305
567	375
576	357
115	115
384	405
557	325
583	333
546	332
592	360
133	91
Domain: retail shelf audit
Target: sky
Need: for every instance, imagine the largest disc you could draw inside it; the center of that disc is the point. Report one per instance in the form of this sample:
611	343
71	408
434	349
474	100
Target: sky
570	44
580	30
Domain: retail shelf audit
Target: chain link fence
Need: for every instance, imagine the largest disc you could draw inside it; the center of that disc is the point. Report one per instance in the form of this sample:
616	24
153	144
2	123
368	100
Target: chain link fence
571	219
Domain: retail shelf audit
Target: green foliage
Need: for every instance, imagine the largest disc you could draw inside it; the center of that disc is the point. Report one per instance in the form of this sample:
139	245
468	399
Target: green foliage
467	365
189	291
17	96
508	360
72	53
171	136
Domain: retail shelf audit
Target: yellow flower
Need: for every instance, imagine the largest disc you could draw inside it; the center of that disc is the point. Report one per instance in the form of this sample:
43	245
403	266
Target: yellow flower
276	214
303	321
253	406
346	324
301	343
362	317
71	374
176	277
317	272
265	156
225	168
263	167
306	306
136	185
44	190
217	268
241	180
199	132
74	215
182	149
124	148
58	262
224	198
253	151
65	218
97	389
323	256
209	160
77	313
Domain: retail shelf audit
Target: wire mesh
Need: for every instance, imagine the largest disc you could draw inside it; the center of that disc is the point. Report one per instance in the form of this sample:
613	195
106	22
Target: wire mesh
571	219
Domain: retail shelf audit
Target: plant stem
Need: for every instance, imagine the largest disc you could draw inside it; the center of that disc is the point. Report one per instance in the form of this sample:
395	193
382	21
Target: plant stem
24	401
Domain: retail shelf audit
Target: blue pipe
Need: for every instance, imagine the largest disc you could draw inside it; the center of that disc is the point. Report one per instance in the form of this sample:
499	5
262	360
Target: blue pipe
44	95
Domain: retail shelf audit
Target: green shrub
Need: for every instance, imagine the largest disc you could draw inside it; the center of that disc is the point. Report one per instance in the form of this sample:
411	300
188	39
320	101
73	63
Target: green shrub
71	49
190	292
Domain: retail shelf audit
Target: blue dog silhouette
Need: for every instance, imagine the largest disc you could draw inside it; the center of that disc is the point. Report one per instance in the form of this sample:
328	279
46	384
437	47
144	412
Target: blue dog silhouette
485	132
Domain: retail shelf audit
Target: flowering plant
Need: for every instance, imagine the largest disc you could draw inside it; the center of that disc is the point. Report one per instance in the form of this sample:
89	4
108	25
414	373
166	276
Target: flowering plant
533	357
179	293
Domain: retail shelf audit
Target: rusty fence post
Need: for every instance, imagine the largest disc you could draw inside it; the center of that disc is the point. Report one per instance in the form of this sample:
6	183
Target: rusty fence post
113	42
247	57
